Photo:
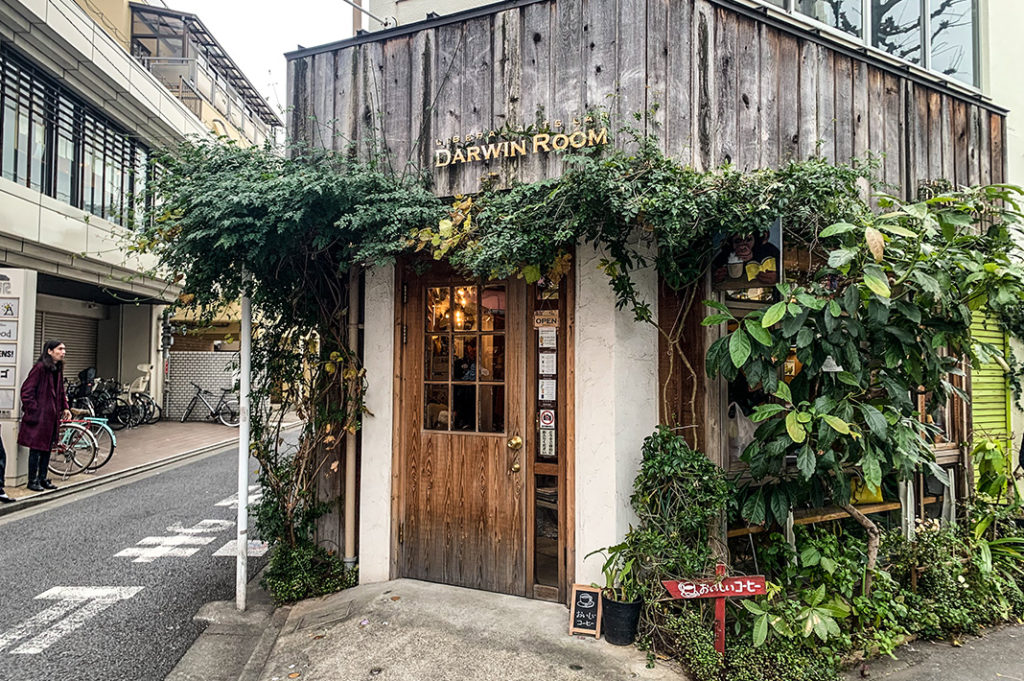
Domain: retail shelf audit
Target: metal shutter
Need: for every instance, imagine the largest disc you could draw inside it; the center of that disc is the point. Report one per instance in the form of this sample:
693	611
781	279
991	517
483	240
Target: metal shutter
78	333
990	390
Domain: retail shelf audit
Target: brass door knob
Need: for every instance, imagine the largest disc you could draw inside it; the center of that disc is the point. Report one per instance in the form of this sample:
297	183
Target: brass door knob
516	467
515	443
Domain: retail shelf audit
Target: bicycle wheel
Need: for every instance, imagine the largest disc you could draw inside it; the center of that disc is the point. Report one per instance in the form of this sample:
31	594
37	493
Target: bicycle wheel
188	410
156	415
230	413
106	443
151	410
126	415
74	452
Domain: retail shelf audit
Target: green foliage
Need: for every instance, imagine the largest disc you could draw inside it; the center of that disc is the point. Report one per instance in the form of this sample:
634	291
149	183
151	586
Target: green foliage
640	208
893	290
298	226
694	641
992	468
620	582
781	661
305	571
677	494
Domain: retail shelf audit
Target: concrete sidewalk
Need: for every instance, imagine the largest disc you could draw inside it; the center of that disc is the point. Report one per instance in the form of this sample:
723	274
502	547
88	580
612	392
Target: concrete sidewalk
406	630
138	450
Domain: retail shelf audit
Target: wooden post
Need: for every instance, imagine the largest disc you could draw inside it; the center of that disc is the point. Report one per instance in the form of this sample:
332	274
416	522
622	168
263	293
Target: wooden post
720	615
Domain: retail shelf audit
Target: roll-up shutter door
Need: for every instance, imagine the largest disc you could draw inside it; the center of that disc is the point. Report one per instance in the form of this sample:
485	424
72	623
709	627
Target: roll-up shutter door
990	389
78	333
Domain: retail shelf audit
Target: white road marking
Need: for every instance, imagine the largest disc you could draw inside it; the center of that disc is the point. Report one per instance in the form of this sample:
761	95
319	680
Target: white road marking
232	502
183	543
75	605
202	527
256	548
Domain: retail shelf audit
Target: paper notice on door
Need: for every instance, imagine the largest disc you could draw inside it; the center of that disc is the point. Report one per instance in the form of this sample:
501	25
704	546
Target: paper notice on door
547	444
548	390
548	364
548	337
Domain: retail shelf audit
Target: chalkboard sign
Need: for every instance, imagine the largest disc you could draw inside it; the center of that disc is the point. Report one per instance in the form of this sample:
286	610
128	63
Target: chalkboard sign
585	610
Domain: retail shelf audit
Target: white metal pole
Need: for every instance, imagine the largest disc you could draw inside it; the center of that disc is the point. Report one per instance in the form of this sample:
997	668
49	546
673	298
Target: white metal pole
245	362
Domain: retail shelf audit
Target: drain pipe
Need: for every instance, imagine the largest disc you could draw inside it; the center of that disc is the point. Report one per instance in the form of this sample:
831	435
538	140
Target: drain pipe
350	438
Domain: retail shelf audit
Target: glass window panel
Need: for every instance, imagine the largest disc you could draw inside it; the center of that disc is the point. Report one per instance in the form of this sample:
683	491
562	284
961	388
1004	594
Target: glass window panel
492	409
546	531
65	163
37	152
952	34
463	407
896	28
492	309
438	309
464	308
21	151
464	368
492	358
842	14
10	137
436	415
438	358
97	183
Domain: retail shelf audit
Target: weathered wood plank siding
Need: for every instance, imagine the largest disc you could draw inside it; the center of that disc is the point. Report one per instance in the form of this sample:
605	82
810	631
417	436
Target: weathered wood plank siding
724	86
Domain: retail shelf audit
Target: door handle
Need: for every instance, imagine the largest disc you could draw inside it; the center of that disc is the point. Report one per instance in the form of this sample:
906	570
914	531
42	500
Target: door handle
515	467
515	443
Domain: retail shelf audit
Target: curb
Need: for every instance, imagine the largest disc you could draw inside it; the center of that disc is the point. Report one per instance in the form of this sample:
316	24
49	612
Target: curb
42	498
253	668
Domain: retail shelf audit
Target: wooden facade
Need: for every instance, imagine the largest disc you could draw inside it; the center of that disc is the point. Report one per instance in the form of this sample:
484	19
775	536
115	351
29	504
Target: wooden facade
728	85
724	83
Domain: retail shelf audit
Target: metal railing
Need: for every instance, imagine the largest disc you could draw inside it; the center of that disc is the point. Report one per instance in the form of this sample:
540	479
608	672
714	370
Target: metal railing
192	83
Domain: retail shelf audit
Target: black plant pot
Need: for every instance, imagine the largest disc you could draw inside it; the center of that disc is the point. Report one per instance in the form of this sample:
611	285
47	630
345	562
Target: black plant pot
619	620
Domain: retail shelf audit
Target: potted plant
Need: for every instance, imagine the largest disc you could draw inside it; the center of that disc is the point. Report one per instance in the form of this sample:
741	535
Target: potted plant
620	596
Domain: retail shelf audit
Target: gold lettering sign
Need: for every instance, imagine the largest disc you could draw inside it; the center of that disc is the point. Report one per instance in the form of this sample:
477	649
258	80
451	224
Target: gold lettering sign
535	144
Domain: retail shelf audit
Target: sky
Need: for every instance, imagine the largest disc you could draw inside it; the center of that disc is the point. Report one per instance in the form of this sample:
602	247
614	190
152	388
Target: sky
257	33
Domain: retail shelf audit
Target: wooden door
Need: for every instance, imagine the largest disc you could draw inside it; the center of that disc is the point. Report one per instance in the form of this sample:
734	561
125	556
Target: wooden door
460	439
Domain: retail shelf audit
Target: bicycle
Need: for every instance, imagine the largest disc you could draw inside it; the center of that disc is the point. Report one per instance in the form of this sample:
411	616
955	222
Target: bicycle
227	410
106	440
136	395
75	450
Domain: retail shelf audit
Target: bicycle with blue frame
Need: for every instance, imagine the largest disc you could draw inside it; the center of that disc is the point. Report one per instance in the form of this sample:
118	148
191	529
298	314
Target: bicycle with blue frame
106	440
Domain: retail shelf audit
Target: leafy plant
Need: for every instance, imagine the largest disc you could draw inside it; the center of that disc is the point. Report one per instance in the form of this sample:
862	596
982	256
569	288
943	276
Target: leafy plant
619	578
992	467
305	571
892	306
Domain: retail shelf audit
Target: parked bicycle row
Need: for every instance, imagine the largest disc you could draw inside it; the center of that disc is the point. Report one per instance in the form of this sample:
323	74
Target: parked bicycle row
122	406
87	441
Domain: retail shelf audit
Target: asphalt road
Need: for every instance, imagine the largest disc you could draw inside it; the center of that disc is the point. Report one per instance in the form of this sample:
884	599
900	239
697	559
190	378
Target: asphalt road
134	620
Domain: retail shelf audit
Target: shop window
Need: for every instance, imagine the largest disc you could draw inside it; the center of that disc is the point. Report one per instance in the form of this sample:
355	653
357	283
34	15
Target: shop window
952	39
896	28
940	35
464	370
845	15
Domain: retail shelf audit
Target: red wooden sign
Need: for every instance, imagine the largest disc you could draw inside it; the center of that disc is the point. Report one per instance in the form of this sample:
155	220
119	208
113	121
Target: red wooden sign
730	587
719	589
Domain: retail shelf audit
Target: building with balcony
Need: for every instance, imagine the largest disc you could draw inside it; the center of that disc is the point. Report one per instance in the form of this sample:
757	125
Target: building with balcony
80	117
185	57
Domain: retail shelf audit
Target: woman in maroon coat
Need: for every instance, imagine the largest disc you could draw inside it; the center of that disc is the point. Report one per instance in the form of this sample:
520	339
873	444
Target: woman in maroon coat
43	404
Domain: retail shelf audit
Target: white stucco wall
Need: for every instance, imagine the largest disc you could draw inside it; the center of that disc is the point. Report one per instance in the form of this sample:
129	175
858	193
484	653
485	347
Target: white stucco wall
375	468
616	407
